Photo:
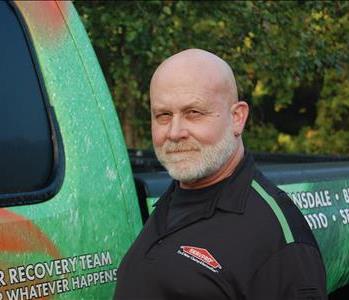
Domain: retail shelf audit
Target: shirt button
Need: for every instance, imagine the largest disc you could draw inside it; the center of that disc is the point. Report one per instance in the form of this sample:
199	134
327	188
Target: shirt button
159	242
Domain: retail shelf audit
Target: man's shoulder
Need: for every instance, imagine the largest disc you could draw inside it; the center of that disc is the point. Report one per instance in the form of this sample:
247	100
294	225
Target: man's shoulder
291	221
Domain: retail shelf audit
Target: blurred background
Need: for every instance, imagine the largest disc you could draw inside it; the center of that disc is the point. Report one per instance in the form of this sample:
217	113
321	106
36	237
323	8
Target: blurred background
290	59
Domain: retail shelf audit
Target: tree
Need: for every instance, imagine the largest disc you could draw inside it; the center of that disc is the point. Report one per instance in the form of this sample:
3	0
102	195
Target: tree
288	58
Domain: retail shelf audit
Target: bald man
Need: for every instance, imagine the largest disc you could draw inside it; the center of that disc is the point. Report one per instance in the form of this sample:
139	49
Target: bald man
222	230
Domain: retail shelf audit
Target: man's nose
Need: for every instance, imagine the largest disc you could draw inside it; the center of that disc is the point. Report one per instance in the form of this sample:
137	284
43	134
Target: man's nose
177	130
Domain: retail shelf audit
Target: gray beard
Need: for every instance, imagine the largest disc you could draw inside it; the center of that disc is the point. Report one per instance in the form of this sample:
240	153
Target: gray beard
203	161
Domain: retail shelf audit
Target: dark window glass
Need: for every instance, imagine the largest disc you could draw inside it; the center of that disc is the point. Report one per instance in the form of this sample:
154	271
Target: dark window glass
26	151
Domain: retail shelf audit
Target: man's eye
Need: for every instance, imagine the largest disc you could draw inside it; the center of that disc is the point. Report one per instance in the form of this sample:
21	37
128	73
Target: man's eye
163	116
194	113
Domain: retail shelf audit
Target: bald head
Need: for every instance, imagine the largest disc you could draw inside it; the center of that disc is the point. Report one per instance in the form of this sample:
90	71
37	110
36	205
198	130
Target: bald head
197	68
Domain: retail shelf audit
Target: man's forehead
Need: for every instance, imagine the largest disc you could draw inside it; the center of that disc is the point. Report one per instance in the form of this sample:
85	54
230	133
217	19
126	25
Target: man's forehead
189	83
182	103
194	69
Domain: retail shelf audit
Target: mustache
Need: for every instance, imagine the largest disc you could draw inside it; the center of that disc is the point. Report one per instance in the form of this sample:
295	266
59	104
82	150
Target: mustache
170	147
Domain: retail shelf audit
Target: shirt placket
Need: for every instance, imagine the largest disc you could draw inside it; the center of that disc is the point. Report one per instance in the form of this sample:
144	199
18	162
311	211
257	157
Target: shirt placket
164	235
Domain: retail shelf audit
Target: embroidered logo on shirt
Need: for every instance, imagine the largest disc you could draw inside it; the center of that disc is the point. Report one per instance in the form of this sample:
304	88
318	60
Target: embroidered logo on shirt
201	256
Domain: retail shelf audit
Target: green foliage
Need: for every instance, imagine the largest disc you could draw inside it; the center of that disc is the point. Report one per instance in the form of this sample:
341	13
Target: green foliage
330	134
279	51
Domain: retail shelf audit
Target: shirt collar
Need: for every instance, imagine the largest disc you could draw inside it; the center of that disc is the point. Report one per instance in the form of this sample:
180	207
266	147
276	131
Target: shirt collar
231	197
235	191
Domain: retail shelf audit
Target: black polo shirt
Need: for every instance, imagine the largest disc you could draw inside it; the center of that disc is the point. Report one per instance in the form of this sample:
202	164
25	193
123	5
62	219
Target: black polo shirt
248	241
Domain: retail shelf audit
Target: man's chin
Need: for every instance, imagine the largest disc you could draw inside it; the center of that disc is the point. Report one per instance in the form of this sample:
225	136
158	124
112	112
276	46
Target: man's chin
189	173
181	156
178	167
184	178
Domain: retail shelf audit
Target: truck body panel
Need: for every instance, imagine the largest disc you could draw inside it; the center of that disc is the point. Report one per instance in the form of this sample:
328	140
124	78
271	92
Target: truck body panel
80	234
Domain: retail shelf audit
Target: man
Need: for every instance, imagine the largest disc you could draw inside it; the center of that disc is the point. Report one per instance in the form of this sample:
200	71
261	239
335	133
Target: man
221	231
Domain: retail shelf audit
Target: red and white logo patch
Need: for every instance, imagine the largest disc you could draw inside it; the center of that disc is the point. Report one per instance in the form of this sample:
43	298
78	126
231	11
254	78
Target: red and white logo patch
201	256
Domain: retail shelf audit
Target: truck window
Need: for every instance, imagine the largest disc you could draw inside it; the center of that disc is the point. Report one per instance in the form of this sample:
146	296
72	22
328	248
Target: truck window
26	148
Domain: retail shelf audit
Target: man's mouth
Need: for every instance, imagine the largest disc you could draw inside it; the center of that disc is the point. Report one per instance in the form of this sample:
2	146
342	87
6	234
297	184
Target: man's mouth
180	151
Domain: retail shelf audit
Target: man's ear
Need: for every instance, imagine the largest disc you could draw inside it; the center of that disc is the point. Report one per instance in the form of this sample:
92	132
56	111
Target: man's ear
239	113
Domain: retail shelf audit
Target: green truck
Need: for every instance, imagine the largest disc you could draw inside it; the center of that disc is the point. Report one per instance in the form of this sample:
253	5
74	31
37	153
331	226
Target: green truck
68	196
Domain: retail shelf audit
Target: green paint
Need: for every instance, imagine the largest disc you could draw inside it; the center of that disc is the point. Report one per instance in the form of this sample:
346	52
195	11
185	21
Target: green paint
96	208
150	202
332	234
276	209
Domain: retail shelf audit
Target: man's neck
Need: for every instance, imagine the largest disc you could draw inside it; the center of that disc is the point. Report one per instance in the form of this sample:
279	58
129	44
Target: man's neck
225	171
